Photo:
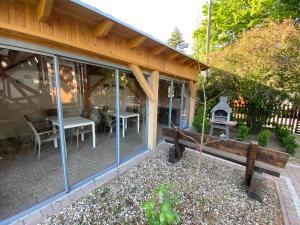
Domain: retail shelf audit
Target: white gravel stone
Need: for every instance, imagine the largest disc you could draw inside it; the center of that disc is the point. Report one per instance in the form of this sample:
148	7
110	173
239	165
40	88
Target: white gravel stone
216	195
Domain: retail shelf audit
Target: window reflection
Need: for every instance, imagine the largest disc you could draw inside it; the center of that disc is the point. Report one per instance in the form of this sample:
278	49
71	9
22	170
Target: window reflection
132	115
30	163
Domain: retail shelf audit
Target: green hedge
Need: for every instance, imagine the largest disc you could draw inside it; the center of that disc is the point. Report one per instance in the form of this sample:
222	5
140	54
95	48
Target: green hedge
263	138
287	139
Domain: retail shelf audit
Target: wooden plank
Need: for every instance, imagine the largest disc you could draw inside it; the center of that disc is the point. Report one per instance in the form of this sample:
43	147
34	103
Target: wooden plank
265	155
43	10
43	34
136	41
142	81
103	28
250	164
4	12
262	167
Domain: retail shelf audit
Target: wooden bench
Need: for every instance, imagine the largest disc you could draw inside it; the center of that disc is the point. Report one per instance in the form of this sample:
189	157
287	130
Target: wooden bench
256	159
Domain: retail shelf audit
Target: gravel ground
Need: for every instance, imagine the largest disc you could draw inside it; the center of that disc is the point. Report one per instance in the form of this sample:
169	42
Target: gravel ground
217	196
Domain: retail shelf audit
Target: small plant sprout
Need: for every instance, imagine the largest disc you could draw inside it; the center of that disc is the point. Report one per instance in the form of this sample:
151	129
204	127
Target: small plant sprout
159	208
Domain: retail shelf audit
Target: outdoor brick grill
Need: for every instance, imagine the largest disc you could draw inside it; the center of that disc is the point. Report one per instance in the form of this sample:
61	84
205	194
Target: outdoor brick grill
221	117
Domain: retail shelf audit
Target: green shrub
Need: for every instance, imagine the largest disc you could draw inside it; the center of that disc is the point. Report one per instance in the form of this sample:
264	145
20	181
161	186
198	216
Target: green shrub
198	119
291	149
263	138
287	139
160	207
244	132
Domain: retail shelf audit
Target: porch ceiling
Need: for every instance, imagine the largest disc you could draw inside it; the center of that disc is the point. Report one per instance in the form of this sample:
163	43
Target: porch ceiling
95	16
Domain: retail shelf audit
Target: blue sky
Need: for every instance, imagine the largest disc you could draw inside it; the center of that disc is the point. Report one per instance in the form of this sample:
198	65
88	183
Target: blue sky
155	17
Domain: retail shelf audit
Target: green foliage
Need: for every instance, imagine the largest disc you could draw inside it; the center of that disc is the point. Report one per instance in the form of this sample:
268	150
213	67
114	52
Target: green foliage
263	138
198	120
287	139
261	69
176	40
160	207
231	18
244	132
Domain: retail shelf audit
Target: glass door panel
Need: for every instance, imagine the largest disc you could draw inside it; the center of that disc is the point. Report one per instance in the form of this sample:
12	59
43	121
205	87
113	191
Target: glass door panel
186	107
30	155
163	111
133	127
89	111
176	103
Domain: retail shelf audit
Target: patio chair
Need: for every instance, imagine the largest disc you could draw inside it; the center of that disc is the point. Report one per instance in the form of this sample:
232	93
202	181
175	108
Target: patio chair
108	121
41	137
40	122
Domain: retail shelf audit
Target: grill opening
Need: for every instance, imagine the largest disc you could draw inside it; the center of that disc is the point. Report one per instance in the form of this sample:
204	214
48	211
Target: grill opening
220	115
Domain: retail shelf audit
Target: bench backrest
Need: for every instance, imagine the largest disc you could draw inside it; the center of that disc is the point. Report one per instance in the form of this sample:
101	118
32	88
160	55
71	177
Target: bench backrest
264	155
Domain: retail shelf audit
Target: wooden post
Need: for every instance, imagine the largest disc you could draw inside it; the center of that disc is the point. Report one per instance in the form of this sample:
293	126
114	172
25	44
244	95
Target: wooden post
179	148
193	89
152	117
250	164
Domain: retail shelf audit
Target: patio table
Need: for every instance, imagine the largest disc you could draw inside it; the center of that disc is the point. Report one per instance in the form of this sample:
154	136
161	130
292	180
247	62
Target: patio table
77	121
124	116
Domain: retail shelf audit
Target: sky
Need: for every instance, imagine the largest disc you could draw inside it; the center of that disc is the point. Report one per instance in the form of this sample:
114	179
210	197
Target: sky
156	17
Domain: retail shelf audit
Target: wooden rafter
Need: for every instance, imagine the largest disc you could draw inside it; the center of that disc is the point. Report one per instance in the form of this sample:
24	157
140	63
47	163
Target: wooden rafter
136	42
172	55
157	50
190	62
183	60
103	28
43	10
142	81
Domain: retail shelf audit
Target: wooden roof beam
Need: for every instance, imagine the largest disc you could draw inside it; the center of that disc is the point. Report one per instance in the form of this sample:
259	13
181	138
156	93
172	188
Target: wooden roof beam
142	81
172	55
136	42
157	50
43	10
103	28
183	60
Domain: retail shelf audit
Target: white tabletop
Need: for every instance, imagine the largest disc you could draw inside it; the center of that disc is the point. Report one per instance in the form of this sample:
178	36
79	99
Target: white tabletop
123	114
70	122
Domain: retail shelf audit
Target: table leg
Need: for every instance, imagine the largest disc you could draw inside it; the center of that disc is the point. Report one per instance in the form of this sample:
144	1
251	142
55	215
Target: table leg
82	137
55	140
123	127
126	123
55	143
94	135
138	123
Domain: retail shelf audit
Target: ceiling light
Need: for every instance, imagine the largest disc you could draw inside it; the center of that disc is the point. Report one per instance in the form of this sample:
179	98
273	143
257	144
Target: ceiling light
4	64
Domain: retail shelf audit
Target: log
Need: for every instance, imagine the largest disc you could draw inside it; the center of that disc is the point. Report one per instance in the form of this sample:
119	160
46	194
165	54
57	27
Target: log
255	186
250	164
265	155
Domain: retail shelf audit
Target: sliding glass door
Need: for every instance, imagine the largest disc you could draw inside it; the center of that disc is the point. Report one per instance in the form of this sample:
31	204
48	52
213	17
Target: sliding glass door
133	121
89	115
30	155
62	122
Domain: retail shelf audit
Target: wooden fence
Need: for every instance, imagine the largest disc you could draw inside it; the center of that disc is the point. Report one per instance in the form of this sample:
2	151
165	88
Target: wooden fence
287	115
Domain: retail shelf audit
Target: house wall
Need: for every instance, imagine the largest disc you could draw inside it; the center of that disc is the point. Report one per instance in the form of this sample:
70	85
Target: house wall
63	29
